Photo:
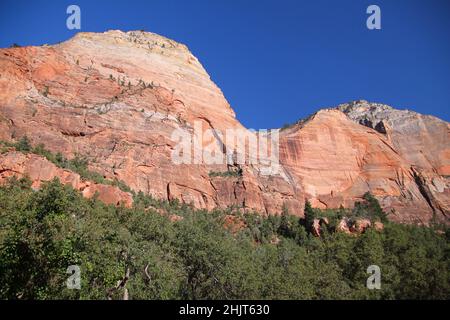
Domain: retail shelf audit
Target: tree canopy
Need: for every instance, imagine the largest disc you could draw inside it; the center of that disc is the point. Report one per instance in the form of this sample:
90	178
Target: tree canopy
141	251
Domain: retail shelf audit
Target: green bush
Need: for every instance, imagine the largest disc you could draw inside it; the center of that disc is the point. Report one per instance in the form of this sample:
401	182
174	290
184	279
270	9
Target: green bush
227	174
23	144
369	208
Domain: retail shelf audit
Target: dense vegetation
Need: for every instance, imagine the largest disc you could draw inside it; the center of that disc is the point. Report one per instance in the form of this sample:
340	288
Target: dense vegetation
276	257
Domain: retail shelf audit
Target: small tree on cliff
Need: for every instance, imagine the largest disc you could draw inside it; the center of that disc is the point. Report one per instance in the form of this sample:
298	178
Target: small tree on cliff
370	208
23	145
310	215
374	207
285	228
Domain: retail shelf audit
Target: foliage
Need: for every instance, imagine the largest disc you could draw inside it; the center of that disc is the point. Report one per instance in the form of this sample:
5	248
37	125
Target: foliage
310	215
370	208
43	232
23	144
227	174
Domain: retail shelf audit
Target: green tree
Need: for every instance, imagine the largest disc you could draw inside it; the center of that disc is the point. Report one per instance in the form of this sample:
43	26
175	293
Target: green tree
310	215
23	144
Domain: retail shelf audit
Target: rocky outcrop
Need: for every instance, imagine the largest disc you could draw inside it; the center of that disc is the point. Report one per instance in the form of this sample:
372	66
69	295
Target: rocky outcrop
379	226
317	226
118	97
39	170
354	226
337	160
360	226
422	140
233	224
343	226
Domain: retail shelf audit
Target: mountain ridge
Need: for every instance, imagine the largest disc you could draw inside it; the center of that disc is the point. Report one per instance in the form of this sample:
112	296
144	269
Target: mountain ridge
116	98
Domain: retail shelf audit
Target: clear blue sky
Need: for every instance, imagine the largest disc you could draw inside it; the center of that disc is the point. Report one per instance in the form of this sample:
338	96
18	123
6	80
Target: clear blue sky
278	61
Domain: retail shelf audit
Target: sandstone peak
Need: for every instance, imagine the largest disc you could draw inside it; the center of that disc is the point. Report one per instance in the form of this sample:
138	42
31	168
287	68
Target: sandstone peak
141	36
363	110
137	39
116	97
363	106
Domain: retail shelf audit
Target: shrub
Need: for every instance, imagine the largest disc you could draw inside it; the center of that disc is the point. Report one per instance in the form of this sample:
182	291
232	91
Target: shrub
370	208
23	144
227	174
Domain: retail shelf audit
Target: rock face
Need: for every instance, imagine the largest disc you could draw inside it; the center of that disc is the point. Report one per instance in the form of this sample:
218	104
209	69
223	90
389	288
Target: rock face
337	158
355	226
117	98
39	169
361	225
422	140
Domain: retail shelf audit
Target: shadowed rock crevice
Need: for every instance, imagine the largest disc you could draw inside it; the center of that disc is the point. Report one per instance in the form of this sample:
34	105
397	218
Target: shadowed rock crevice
421	184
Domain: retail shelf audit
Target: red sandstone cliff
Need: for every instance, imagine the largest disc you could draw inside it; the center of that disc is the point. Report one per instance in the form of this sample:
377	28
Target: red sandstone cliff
338	160
117	98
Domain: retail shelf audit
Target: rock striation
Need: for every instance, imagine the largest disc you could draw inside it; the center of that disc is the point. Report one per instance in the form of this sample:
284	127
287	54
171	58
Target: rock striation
117	97
422	140
338	158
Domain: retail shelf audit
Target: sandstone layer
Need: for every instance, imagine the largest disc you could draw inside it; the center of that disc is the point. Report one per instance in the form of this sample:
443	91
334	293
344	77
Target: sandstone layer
39	170
422	140
117	98
337	160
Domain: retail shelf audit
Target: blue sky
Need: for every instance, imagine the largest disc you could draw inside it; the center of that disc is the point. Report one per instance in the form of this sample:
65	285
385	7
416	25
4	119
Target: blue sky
278	61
